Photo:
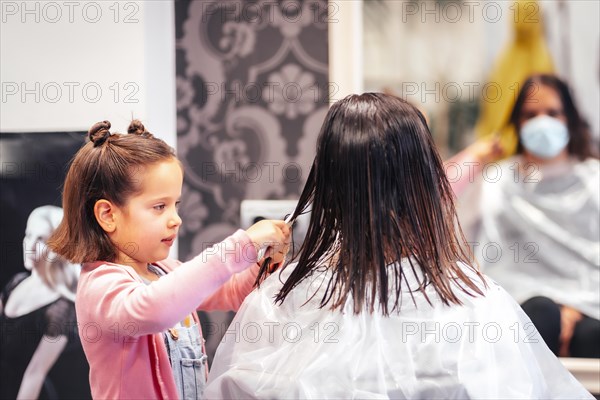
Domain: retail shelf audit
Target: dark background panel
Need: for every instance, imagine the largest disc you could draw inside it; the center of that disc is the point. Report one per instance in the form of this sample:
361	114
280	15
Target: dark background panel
32	171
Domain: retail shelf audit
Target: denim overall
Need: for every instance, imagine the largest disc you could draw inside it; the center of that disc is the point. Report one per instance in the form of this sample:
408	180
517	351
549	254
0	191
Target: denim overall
188	362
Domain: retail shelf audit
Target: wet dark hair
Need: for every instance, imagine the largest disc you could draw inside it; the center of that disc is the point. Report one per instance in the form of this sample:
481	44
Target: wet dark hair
379	194
580	142
106	167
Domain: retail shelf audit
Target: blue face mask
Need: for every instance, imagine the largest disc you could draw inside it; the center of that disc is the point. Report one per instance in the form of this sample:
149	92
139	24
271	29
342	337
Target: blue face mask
544	136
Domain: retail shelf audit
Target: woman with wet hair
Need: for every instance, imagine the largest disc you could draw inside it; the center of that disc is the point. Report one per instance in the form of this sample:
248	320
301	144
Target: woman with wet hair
383	300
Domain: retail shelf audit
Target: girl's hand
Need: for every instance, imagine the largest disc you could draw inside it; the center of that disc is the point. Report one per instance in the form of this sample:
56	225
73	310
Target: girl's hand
274	234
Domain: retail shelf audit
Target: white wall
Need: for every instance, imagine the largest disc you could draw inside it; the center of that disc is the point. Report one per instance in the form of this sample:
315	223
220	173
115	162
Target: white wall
574	38
345	48
68	64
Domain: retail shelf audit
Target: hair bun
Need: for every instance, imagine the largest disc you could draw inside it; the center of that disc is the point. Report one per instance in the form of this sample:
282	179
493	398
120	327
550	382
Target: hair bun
137	128
99	132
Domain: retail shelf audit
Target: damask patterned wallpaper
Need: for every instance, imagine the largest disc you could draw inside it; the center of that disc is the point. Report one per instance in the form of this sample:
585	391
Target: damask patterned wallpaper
251	97
252	94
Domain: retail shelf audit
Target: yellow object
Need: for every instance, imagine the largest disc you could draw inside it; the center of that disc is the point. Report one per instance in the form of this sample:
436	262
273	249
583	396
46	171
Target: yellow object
525	55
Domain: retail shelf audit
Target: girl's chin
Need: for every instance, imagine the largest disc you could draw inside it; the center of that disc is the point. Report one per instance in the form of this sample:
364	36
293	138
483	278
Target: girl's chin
163	254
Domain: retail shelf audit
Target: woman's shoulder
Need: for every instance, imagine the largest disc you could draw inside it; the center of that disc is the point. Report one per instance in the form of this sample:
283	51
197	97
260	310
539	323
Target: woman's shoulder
592	165
12	284
321	276
588	172
317	276
491	291
273	283
61	317
305	293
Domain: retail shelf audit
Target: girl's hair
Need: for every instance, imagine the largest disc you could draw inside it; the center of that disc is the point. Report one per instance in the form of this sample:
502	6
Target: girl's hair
580	142
379	195
108	167
55	271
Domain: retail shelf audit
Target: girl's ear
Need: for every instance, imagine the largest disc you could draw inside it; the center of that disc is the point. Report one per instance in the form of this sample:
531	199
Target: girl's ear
105	211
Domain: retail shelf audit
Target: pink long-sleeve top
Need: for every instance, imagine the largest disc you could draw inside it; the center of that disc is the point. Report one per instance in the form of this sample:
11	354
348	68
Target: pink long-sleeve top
121	319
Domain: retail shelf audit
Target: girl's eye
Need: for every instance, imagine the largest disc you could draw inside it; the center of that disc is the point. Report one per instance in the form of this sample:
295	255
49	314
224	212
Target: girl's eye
159	207
177	204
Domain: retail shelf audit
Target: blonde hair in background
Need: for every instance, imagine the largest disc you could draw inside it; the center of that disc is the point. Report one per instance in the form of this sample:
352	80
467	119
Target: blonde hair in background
55	271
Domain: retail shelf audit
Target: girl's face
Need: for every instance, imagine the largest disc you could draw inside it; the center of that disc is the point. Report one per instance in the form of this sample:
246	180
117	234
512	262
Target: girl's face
147	224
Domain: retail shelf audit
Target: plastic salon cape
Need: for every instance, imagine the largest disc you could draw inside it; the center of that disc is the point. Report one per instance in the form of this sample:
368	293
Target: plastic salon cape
485	349
536	230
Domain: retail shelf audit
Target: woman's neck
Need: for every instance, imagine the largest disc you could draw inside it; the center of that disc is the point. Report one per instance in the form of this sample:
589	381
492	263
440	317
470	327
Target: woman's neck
562	157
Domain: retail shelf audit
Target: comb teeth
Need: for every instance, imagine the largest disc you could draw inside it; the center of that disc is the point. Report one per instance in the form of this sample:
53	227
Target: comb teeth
289	219
261	253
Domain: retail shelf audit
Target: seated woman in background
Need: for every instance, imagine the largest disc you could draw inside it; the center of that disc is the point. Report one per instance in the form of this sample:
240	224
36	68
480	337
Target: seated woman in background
534	219
383	301
40	352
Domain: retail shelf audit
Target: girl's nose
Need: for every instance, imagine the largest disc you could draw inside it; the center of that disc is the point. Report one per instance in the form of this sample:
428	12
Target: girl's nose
175	220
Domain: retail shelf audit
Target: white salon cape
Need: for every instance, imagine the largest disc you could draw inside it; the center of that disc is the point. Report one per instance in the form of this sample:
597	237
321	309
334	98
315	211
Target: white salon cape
536	230
485	349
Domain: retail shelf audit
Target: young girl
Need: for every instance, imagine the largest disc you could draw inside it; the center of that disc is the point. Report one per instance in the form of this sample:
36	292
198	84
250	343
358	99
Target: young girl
382	302
136	309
